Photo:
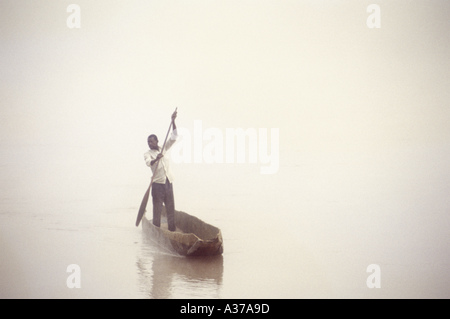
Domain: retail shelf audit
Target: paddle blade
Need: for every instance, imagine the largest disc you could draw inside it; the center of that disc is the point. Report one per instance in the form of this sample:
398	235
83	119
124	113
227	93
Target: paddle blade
143	206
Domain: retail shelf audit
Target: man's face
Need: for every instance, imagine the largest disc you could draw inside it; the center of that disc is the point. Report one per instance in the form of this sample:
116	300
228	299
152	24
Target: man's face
153	143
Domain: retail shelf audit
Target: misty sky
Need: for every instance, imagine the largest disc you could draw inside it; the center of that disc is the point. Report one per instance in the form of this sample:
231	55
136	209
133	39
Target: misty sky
362	114
311	68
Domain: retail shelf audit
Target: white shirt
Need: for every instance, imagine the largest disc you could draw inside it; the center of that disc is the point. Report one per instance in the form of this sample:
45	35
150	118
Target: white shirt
163	170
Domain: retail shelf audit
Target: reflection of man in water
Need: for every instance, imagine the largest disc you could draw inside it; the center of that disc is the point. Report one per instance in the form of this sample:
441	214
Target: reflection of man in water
162	190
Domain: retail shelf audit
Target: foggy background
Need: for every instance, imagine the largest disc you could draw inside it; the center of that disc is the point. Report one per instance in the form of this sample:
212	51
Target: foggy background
363	117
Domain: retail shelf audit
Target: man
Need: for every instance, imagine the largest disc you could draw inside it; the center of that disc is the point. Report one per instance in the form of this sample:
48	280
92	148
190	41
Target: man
162	189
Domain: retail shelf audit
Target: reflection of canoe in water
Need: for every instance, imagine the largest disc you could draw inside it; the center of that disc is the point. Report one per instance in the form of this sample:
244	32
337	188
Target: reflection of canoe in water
193	237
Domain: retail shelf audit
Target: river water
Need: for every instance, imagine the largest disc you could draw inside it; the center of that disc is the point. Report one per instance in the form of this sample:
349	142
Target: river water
311	230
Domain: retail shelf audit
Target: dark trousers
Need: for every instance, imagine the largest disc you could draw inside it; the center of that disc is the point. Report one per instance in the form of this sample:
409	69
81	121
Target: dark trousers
163	193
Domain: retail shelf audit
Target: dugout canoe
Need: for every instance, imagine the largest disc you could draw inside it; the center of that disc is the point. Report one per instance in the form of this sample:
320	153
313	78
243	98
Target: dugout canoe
193	237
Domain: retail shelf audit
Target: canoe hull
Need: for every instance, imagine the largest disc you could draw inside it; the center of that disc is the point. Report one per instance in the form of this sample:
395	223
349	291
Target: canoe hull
193	236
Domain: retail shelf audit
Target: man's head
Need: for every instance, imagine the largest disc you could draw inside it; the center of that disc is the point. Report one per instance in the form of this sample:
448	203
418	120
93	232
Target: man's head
152	141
